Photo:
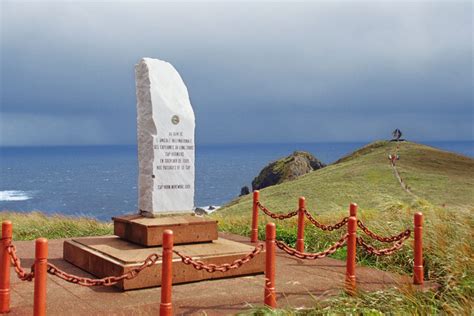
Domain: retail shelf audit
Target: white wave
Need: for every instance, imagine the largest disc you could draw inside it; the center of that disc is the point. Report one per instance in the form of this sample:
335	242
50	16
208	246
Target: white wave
15	195
206	209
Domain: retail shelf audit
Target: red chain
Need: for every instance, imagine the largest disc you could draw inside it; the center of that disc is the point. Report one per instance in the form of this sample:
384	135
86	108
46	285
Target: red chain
311	256
107	281
381	252
405	234
321	226
54	270
16	262
276	216
199	265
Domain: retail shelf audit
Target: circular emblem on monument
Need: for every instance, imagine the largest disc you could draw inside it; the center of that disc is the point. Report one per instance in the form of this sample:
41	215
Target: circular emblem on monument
175	119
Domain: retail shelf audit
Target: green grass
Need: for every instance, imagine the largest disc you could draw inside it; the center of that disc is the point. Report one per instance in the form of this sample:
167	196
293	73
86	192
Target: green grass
29	226
444	186
448	249
366	178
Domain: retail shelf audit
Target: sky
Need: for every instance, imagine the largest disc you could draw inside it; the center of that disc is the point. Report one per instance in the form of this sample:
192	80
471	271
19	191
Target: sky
321	71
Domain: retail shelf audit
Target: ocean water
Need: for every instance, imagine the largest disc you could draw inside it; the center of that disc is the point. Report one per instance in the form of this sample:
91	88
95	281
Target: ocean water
101	181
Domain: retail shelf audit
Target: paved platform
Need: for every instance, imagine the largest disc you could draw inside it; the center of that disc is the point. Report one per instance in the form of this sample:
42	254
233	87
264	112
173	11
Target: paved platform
299	284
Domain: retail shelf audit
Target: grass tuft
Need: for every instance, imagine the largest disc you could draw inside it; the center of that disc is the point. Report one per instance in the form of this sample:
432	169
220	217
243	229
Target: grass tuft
29	226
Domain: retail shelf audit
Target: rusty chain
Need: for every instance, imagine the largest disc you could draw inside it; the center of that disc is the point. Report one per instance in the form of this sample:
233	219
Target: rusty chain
381	252
107	281
315	222
276	216
199	265
16	262
404	234
312	256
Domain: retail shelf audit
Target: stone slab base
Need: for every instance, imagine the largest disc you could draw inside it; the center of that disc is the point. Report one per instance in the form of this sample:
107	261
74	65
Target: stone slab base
148	231
110	255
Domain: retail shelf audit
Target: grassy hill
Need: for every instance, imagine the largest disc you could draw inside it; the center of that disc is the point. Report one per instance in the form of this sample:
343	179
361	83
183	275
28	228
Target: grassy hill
442	184
366	177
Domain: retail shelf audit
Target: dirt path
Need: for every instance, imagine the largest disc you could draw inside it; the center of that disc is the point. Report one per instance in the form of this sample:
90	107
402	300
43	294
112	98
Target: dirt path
397	174
299	284
401	181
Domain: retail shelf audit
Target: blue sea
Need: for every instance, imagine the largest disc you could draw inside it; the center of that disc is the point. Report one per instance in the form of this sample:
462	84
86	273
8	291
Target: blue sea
101	181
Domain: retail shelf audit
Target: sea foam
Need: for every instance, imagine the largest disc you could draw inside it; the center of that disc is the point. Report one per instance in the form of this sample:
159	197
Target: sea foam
15	195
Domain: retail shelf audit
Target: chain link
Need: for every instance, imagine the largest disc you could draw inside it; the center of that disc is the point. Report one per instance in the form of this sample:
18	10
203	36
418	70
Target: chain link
107	281
381	252
276	216
16	262
312	256
404	234
199	265
321	226
54	270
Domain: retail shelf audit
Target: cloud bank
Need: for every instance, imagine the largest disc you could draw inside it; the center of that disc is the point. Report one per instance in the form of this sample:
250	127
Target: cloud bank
256	72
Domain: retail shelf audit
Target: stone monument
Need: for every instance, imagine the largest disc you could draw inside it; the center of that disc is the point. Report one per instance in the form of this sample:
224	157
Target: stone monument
165	128
165	133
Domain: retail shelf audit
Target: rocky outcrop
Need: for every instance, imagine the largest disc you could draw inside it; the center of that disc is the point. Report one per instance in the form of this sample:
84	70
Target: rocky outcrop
286	169
244	191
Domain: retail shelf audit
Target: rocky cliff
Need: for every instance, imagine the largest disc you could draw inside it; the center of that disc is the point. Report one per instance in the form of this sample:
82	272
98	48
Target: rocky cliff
285	169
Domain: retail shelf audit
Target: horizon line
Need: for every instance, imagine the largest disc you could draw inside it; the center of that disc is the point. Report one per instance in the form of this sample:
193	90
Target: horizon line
229	144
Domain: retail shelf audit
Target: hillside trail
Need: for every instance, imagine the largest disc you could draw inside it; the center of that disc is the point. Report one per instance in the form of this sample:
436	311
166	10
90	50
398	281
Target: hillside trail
392	159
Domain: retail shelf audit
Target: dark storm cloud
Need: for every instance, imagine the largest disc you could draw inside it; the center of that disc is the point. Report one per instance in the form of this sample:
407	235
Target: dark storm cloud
264	72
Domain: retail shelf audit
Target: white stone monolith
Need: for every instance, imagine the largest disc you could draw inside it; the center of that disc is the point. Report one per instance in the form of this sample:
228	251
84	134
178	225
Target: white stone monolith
165	128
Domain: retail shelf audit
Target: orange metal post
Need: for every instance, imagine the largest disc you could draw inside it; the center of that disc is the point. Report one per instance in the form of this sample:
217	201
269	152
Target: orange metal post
351	256
353	209
7	231
41	265
166	307
270	297
300	235
418	264
254	232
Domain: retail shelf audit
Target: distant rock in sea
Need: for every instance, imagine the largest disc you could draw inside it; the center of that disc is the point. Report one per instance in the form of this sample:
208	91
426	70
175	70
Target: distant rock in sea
286	169
244	190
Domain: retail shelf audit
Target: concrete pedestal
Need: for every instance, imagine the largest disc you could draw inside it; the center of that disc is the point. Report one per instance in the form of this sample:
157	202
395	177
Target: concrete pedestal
138	237
110	255
148	231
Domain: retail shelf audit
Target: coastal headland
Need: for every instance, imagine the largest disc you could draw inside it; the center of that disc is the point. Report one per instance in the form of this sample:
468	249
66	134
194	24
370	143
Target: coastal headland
442	184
